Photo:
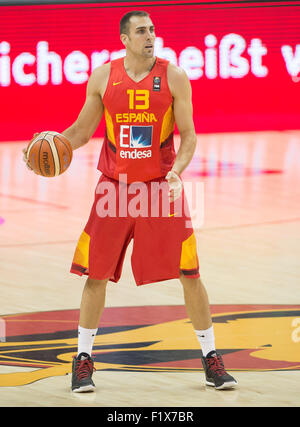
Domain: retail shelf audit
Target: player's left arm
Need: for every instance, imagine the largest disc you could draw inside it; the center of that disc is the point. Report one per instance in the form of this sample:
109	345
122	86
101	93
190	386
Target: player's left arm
181	91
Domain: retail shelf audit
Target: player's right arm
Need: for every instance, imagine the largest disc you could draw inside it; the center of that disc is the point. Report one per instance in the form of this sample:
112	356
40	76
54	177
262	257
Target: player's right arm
92	111
80	132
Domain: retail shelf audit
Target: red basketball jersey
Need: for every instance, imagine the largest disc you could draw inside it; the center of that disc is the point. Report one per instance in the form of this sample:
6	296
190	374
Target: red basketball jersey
139	125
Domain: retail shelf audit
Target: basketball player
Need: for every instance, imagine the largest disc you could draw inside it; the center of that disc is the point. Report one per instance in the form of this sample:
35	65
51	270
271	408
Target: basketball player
141	97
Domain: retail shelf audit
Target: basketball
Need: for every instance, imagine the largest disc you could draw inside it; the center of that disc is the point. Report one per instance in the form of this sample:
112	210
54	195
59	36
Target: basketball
49	154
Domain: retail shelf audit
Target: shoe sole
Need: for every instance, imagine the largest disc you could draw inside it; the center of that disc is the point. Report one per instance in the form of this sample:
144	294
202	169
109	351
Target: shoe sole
229	384
84	389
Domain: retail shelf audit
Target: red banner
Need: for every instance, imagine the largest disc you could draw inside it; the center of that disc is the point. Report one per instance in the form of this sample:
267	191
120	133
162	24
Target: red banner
243	61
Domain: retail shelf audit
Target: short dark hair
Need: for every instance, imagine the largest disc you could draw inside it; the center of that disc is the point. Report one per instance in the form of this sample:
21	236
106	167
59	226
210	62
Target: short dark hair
124	23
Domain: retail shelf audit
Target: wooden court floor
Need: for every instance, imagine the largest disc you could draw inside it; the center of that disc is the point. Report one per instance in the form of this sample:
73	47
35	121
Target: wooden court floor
146	351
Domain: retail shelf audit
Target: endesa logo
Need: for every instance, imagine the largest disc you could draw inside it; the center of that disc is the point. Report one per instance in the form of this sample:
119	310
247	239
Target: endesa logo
135	138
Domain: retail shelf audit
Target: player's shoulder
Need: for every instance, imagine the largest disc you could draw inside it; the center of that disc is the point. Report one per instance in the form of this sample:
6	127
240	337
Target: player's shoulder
101	72
177	78
175	70
99	78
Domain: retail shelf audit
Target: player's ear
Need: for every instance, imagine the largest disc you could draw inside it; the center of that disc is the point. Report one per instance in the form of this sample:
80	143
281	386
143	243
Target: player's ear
124	39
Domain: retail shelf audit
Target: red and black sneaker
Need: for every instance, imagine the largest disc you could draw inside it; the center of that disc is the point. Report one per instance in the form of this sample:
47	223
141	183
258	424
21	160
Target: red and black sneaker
82	371
215	373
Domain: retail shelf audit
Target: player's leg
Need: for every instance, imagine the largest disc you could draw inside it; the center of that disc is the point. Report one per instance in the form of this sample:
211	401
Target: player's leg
92	303
198	310
196	302
91	308
99	254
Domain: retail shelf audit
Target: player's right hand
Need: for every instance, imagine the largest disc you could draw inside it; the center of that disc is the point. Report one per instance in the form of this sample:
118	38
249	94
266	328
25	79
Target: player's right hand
25	159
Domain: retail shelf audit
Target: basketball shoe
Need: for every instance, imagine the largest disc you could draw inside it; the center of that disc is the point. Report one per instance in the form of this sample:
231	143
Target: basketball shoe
82	371
215	373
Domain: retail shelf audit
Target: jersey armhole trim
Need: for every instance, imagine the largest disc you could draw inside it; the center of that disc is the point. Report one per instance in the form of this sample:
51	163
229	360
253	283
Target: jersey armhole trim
110	71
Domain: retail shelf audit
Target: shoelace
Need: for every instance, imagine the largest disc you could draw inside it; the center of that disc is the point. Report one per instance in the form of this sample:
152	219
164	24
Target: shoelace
216	364
84	368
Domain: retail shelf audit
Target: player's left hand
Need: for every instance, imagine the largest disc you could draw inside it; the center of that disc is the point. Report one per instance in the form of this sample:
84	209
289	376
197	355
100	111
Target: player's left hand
175	185
24	151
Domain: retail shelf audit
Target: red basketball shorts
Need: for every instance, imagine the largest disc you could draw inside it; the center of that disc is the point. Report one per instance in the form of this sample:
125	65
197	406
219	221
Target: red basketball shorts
164	243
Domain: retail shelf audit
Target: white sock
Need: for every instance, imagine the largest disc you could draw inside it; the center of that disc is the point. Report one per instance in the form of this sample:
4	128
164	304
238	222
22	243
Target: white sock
86	339
206	339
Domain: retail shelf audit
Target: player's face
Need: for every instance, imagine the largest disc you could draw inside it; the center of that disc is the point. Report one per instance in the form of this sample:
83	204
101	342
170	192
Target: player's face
141	37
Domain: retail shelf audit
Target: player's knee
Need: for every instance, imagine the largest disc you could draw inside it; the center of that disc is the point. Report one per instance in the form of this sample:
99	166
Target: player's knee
189	282
95	283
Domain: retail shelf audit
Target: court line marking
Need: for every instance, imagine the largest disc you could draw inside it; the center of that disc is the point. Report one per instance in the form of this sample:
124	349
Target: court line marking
58	242
204	230
28	200
255	224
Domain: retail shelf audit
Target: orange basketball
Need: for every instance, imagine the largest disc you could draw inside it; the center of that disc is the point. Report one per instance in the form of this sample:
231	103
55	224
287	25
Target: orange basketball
49	154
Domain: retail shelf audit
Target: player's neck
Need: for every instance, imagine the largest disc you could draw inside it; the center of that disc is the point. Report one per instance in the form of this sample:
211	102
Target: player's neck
136	67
